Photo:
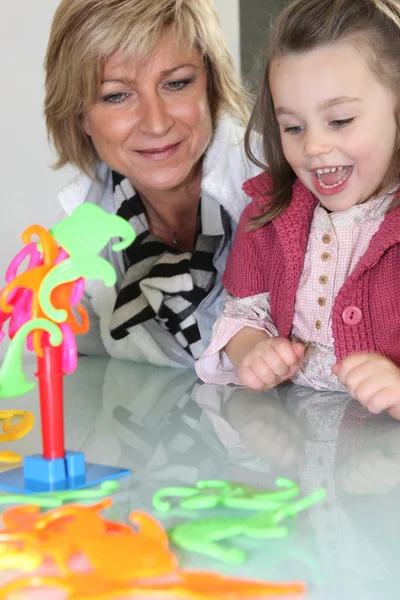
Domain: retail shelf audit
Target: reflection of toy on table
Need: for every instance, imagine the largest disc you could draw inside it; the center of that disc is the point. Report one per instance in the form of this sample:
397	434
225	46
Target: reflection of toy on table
78	542
41	304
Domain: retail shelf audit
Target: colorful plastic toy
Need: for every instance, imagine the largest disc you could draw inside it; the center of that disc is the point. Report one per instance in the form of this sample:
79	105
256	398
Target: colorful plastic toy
210	493
142	566
42	304
83	236
203	536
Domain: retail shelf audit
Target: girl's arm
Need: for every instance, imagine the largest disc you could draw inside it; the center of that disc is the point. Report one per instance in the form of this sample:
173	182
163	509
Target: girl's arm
251	313
262	362
246	349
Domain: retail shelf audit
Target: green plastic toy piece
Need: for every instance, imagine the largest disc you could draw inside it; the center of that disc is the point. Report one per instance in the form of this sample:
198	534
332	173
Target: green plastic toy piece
12	378
56	499
42	501
107	487
203	536
83	235
212	493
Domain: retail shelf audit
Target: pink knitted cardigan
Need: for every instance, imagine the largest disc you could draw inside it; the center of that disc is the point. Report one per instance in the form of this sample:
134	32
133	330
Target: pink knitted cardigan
271	259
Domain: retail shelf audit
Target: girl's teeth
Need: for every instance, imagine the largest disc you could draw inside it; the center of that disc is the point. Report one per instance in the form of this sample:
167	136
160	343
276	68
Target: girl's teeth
343	173
332	170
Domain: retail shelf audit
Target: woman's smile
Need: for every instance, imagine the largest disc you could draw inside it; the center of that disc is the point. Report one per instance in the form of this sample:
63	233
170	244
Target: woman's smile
160	153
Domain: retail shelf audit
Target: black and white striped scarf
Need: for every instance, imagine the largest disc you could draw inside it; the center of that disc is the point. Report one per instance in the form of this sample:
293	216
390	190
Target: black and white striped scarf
161	283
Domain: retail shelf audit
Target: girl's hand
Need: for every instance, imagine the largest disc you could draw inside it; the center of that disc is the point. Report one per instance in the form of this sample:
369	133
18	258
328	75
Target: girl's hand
270	362
373	380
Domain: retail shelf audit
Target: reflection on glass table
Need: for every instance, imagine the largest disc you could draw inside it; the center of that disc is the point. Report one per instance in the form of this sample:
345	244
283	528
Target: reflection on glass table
172	430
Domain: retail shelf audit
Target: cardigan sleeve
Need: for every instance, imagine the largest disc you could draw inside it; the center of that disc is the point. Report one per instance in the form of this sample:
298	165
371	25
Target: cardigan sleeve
244	275
254	311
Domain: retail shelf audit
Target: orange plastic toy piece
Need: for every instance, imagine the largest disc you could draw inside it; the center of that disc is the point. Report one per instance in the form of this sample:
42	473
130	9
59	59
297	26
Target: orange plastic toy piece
61	299
142	564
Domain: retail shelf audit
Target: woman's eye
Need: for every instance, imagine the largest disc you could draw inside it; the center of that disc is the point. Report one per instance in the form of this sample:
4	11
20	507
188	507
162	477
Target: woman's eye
293	130
115	97
175	86
340	123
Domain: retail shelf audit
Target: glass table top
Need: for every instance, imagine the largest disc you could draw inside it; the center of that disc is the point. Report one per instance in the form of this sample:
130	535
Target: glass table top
170	429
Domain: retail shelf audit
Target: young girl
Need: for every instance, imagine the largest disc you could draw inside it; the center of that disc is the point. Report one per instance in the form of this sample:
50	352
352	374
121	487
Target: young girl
313	279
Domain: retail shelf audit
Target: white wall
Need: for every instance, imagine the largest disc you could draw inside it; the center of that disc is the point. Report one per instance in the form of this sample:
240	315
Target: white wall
230	20
28	186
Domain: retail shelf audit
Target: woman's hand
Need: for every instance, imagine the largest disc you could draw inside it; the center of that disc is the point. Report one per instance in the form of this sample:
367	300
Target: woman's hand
373	380
270	362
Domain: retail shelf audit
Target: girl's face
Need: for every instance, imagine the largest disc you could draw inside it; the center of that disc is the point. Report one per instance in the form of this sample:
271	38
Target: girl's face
337	123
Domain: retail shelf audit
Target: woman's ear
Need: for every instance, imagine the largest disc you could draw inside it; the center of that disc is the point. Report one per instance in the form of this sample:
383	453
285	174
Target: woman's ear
86	125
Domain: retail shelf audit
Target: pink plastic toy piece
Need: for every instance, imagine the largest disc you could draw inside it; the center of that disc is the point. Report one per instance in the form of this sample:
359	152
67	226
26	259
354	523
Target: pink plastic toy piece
20	298
22	303
69	349
77	291
35	260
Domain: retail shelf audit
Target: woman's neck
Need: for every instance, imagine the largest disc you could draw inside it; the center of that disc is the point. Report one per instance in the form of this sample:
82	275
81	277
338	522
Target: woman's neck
172	209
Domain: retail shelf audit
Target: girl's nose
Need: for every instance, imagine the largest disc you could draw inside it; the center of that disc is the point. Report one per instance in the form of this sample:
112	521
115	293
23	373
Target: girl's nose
316	142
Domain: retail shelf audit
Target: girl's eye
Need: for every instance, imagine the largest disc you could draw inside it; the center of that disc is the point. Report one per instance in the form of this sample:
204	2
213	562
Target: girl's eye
115	97
340	123
293	130
175	86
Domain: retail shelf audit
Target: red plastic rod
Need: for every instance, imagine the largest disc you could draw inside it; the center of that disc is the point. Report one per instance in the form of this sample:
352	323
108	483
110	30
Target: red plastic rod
50	377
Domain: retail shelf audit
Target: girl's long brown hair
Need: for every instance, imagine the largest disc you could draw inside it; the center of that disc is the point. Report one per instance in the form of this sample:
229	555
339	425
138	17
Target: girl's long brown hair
373	26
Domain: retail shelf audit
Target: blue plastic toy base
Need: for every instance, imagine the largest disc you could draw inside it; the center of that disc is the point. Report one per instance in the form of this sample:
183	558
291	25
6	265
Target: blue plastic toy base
39	474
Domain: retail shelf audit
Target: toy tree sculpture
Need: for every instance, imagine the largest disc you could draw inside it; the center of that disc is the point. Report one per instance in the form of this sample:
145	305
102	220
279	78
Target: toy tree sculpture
42	306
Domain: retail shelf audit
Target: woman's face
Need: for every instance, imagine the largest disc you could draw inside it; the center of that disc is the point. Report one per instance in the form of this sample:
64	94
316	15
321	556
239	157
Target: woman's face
152	122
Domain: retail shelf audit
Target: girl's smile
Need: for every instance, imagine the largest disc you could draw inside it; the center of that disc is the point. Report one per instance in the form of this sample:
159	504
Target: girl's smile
332	180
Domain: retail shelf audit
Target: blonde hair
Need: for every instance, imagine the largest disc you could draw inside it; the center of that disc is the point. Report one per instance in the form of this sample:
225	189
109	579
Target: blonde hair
371	25
86	33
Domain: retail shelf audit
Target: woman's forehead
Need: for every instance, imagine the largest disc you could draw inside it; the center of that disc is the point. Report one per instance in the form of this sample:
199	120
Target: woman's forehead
167	54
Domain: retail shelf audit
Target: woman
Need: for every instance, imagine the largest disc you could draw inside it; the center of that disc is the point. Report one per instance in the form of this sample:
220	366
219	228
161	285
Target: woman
143	99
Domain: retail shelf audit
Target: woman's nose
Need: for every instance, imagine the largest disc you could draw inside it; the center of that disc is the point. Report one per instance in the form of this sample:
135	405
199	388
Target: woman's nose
316	142
155	119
